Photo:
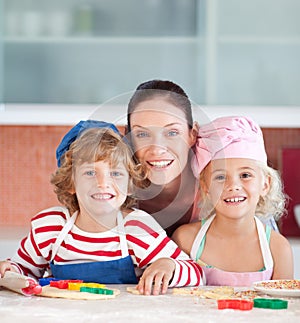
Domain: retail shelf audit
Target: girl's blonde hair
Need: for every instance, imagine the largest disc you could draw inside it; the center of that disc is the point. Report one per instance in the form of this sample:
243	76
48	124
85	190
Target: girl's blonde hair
93	145
273	203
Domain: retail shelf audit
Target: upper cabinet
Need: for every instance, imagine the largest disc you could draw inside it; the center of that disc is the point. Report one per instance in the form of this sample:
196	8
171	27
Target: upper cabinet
229	52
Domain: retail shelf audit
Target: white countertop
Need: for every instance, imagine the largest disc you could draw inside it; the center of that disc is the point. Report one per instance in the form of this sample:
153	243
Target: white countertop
135	308
55	114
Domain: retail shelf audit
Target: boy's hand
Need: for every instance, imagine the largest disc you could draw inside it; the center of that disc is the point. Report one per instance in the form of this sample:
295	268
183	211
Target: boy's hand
156	277
5	266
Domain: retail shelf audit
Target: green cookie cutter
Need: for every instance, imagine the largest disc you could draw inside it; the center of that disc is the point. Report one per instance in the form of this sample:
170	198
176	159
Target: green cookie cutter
275	304
92	290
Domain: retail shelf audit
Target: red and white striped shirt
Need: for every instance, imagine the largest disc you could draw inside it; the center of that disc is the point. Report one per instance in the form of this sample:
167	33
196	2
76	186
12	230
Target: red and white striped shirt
146	241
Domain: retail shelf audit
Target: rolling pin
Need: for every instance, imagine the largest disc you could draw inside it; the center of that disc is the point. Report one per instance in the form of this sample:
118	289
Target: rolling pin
20	284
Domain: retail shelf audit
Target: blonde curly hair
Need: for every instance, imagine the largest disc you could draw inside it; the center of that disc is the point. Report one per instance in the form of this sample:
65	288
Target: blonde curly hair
95	144
273	203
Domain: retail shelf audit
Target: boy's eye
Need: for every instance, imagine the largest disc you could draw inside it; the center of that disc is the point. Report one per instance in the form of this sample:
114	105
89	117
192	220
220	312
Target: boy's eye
115	174
90	173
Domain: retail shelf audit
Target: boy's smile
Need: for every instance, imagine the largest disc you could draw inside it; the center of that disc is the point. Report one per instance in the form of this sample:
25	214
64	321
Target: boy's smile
101	190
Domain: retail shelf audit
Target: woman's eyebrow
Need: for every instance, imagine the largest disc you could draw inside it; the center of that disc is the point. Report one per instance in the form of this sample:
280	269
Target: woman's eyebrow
138	126
165	126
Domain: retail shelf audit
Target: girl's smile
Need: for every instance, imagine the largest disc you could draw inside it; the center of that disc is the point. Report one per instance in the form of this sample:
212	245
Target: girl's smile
235	186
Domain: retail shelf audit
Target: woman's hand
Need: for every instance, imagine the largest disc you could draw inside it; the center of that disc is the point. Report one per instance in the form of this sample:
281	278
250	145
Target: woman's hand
156	277
5	266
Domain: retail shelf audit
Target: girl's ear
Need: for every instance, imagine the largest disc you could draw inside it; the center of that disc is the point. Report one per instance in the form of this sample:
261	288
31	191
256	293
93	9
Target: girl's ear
205	179
266	185
203	186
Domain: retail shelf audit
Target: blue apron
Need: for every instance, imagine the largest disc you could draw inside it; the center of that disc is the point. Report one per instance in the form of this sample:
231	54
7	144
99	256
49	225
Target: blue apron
120	271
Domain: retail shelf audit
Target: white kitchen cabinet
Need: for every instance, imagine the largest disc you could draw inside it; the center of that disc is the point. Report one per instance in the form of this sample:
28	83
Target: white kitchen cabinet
233	52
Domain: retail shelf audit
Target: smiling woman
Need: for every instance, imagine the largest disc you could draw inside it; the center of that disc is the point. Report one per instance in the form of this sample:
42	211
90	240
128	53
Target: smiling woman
162	132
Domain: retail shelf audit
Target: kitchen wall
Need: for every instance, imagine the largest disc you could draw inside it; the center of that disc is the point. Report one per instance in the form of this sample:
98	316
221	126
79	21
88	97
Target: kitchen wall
28	159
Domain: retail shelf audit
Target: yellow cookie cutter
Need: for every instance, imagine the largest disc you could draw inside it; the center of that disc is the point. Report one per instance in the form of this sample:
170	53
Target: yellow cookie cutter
76	286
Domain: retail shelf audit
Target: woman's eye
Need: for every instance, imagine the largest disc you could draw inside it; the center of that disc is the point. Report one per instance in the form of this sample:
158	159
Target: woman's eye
173	133
142	134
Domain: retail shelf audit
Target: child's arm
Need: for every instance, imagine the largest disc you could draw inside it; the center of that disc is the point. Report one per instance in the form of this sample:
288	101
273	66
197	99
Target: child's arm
150	243
35	250
160	273
6	265
18	283
282	257
28	259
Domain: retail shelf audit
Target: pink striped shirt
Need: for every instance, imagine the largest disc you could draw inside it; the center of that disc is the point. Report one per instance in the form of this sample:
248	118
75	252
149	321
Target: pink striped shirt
146	242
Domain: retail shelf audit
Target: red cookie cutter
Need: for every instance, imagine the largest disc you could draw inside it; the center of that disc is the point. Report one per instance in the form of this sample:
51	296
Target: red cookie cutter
63	284
236	304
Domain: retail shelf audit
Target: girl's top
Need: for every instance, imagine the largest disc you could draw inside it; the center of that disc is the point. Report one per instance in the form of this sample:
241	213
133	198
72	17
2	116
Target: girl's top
146	242
218	277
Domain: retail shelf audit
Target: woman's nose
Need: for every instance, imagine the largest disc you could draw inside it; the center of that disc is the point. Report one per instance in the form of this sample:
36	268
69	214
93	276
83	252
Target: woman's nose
157	145
157	149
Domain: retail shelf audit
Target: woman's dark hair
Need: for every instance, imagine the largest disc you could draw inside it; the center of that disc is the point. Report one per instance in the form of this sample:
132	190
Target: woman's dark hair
160	88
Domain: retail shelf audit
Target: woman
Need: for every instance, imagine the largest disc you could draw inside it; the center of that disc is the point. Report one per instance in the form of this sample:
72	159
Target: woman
162	133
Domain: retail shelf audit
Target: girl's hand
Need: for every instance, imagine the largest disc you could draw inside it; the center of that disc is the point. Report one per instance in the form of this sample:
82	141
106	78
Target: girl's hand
5	266
156	277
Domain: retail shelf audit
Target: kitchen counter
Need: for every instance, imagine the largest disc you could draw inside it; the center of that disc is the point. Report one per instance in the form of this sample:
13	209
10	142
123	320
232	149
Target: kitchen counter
70	114
135	308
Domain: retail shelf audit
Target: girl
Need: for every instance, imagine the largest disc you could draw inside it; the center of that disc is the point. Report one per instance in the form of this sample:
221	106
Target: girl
97	236
232	244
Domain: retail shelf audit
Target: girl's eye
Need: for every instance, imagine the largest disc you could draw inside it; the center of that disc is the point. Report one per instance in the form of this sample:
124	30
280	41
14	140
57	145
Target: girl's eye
246	175
220	177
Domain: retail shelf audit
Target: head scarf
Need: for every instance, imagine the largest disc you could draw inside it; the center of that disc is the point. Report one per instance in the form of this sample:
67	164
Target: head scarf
228	137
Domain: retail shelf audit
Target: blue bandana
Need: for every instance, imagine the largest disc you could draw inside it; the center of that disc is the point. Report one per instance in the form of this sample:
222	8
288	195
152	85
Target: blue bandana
76	131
